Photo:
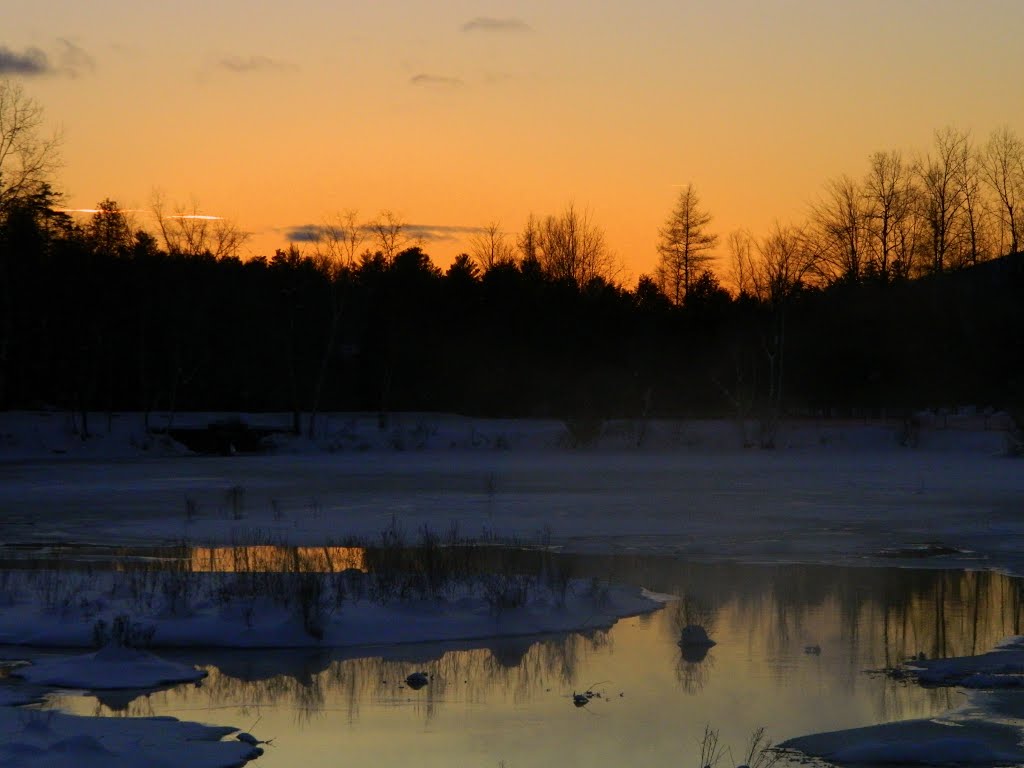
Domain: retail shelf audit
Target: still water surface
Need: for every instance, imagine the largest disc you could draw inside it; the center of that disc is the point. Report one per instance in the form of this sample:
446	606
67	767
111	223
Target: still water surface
510	701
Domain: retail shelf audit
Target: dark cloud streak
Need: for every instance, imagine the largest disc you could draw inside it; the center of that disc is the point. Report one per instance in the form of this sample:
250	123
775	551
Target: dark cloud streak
439	80
430	233
71	61
254	64
32	62
427	233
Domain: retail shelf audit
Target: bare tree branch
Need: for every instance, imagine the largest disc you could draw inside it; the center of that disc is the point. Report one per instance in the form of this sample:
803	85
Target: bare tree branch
27	158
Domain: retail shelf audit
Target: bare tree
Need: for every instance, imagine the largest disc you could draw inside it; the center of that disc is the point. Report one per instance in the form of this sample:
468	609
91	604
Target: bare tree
27	158
490	247
187	232
912	240
528	241
340	239
571	247
685	245
890	198
741	260
839	220
391	233
942	192
974	222
786	261
1002	167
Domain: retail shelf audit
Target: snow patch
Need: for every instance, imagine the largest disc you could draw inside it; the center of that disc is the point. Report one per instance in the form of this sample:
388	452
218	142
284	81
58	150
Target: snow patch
916	742
48	739
109	669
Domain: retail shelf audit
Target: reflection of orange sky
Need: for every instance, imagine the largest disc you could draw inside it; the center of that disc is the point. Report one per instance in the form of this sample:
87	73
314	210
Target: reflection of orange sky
758	675
309	110
273	559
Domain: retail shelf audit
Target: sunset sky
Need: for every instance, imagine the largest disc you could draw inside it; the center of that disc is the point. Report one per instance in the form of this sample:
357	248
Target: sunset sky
454	114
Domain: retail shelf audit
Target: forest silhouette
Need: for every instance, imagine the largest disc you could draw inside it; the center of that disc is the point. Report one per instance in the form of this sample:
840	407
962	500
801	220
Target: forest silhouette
892	298
138	328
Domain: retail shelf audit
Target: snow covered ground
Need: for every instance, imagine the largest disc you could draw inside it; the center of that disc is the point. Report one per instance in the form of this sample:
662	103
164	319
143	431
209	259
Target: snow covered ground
830	492
49	739
214	611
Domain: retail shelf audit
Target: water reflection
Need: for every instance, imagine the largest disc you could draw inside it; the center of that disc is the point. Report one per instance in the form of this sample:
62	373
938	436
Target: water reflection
510	699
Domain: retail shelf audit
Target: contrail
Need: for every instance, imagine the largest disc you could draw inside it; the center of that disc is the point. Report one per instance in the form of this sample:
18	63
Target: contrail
203	217
99	210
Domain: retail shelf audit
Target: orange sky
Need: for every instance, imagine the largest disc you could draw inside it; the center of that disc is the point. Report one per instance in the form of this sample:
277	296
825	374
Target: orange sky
454	114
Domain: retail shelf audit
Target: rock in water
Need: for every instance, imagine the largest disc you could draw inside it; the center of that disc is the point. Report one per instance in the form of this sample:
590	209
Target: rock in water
694	635
417	680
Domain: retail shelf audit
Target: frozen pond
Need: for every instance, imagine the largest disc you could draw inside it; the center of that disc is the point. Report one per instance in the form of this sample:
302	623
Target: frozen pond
739	535
794	643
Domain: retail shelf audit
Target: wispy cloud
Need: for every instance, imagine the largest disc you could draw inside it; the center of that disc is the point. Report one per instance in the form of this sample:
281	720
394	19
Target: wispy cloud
430	233
73	59
436	80
491	24
32	62
244	64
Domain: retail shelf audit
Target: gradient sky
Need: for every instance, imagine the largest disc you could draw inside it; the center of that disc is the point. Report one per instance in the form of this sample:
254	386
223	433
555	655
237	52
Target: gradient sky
454	114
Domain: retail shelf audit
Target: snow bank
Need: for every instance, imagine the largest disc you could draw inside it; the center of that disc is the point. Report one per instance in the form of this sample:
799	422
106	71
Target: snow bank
916	742
49	739
1001	668
258	623
987	730
58	434
108	669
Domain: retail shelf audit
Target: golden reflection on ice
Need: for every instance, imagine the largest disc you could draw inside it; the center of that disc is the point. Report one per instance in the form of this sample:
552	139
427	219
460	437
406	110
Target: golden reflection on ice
269	558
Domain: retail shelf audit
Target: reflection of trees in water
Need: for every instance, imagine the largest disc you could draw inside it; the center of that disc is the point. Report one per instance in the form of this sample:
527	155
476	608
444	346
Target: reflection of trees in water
693	668
886	612
693	663
876	616
882	615
112	703
520	668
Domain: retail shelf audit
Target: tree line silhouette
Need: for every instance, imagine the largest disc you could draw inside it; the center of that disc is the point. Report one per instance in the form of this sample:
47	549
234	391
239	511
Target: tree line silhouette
95	326
835	318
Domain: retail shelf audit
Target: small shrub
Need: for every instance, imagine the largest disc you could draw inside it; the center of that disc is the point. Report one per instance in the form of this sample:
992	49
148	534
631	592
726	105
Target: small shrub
760	753
176	587
1015	434
236	501
910	432
422	433
599	593
583	431
122	632
397	440
309	590
505	591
